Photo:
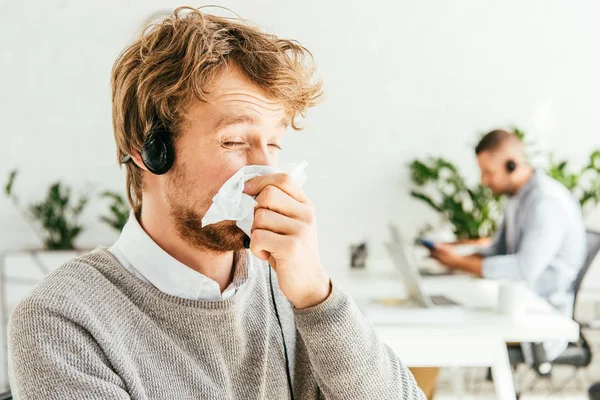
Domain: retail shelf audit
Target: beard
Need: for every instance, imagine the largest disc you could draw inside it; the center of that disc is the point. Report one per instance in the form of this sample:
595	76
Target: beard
220	237
501	191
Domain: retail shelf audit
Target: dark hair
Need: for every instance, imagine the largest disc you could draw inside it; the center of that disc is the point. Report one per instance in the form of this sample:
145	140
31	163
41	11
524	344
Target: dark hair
493	140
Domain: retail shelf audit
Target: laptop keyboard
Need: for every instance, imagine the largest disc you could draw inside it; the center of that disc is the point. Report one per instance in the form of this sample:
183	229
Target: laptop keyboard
442	301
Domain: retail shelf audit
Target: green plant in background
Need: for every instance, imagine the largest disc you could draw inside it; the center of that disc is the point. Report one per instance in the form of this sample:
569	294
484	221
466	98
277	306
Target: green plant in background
472	211
59	217
56	214
558	171
118	209
12	175
585	184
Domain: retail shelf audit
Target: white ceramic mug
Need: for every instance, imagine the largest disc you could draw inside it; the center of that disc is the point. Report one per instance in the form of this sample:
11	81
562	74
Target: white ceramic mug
511	298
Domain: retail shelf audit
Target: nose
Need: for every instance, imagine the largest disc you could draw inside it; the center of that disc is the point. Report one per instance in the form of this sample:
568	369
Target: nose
484	180
261	156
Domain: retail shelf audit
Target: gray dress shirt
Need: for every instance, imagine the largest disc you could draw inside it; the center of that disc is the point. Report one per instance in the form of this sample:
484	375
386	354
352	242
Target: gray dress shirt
542	242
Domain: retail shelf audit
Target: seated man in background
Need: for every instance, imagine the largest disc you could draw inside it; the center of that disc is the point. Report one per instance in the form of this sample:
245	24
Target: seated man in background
542	239
175	310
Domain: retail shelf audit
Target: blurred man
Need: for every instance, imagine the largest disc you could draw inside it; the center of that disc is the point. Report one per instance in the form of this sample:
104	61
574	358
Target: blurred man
542	239
180	311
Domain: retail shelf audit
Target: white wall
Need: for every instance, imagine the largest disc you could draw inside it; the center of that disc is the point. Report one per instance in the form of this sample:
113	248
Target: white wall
403	79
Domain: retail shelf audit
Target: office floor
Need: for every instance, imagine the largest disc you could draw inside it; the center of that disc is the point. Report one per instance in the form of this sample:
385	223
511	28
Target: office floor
477	388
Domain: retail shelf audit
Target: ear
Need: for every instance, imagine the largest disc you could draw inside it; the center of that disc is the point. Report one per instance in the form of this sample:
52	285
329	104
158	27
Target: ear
136	157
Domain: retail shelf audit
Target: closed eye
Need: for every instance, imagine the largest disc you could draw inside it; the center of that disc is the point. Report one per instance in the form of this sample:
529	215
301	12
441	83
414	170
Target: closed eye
233	144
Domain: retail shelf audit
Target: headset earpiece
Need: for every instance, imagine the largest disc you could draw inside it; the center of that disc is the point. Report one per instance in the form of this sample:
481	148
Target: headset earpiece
158	154
511	166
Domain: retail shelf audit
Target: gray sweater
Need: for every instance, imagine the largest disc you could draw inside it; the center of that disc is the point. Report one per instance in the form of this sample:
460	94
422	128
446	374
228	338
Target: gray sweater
92	330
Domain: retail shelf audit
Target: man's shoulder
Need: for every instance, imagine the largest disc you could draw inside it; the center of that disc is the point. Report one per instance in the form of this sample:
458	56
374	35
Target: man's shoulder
548	190
76	281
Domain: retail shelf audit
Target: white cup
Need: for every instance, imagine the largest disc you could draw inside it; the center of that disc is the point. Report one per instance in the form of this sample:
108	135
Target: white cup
511	296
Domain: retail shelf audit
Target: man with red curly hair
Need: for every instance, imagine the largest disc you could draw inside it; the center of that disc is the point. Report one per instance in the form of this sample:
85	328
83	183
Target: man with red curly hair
177	310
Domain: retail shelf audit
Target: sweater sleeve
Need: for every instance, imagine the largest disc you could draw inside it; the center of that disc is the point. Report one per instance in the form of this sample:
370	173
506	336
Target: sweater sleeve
51	357
349	360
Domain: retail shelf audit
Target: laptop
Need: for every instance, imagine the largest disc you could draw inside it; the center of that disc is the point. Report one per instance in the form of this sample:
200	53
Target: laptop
403	257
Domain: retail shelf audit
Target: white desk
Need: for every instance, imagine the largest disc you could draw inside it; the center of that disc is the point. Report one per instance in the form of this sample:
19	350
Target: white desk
591	296
451	337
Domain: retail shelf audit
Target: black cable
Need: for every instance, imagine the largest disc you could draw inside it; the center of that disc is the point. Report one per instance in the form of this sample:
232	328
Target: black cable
285	353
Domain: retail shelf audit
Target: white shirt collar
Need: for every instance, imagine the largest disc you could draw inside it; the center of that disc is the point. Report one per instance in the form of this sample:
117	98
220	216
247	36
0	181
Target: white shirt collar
148	261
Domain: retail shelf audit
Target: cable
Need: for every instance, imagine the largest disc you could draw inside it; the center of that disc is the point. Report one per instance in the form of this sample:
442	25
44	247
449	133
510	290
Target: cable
285	353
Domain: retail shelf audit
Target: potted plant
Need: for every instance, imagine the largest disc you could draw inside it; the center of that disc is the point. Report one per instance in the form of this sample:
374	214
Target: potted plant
472	211
118	210
55	219
585	183
57	215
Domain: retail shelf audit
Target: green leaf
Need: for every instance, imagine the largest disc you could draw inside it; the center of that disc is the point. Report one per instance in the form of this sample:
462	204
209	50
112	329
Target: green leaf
58	217
9	184
426	199
118	211
519	133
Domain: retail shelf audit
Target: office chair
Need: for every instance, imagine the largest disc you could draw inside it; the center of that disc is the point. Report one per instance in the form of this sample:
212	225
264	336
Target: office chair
594	391
578	354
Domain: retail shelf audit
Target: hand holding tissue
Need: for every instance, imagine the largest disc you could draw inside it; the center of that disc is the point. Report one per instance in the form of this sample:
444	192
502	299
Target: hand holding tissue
232	204
271	208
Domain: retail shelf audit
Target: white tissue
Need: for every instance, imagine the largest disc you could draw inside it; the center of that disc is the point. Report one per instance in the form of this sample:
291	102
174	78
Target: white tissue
231	204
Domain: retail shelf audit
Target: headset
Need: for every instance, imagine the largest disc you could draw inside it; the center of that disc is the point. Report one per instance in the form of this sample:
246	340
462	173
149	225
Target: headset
511	166
158	156
285	351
